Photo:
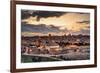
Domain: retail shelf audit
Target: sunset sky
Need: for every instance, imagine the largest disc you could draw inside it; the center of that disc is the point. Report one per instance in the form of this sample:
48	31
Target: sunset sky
56	23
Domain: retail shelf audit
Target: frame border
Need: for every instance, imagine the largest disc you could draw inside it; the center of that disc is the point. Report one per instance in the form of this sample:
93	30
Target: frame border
13	35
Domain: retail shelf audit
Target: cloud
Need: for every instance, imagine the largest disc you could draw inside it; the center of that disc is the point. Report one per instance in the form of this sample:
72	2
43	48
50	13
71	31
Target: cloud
83	31
40	28
40	14
82	13
83	22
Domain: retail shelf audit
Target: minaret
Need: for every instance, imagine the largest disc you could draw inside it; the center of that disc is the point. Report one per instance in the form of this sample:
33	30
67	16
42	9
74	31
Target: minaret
49	36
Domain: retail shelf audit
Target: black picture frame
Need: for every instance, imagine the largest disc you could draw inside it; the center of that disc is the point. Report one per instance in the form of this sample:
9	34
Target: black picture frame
13	35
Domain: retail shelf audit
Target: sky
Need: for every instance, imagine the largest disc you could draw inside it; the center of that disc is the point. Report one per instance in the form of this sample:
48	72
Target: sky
55	23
